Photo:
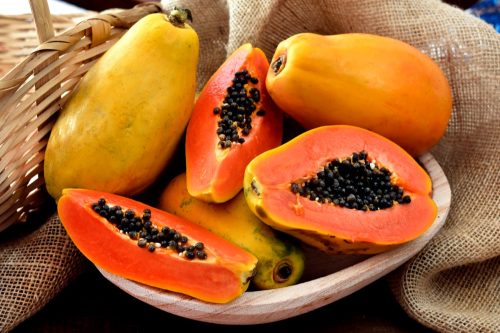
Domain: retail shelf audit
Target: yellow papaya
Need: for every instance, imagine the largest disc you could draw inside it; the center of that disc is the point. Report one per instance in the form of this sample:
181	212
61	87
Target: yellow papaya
280	258
123	122
374	82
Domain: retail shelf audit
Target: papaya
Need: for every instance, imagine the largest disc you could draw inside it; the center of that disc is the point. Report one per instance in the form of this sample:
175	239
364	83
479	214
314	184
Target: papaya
233	120
342	189
147	245
280	258
127	116
374	82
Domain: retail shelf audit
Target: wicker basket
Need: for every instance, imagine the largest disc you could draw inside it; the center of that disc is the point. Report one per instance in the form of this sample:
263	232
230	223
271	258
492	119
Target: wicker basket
33	92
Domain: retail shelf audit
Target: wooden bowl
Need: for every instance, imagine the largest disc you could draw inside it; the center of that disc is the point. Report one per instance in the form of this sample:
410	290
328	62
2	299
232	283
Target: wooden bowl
326	279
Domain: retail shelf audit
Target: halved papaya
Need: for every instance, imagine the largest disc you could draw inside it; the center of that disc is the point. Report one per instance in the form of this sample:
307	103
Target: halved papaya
147	245
342	189
233	121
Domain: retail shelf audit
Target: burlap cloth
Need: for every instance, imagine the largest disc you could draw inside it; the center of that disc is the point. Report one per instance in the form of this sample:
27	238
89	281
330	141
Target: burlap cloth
454	283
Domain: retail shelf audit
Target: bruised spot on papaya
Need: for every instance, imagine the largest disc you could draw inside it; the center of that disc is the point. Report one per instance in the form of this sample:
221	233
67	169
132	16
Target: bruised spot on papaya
186	202
261	212
254	187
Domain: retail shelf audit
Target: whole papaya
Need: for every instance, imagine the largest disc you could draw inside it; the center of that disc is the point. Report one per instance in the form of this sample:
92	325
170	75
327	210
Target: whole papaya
281	259
378	83
126	117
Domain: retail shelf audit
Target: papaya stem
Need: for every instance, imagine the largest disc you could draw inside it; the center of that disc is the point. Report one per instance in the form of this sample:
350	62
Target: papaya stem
282	272
278	64
178	16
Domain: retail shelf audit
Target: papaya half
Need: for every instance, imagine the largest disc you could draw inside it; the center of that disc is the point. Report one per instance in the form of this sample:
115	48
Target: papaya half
281	260
150	246
233	120
341	189
127	116
374	82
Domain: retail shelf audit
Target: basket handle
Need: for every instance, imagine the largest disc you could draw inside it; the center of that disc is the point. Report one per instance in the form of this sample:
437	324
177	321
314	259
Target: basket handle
43	20
45	31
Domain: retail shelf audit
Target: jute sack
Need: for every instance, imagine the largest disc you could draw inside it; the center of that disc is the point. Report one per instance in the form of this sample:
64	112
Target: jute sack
453	285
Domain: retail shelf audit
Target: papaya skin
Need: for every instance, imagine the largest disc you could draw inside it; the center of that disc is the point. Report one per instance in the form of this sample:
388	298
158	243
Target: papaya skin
328	227
123	122
281	261
374	82
223	276
215	174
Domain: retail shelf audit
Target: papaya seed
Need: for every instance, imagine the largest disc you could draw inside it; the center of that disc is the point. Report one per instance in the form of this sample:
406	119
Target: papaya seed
237	109
353	182
147	234
201	255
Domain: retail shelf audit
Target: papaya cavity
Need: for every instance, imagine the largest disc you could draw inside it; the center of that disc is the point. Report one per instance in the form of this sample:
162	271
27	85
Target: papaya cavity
235	113
146	232
355	182
234	119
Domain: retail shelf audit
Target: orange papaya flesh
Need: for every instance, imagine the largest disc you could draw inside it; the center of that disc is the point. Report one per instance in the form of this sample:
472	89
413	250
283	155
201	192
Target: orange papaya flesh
234	120
329	225
220	274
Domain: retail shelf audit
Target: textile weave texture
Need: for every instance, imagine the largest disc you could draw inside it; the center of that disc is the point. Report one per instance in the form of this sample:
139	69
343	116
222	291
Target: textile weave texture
453	284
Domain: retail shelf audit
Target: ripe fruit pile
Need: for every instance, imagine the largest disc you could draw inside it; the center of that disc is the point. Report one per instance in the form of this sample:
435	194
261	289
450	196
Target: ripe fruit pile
347	184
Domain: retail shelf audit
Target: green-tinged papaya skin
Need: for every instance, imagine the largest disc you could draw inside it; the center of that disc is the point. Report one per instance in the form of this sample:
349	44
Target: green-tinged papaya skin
378	83
128	114
150	246
281	260
341	189
233	120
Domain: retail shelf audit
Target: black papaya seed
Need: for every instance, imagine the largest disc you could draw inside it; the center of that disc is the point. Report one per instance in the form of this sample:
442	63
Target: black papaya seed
353	182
